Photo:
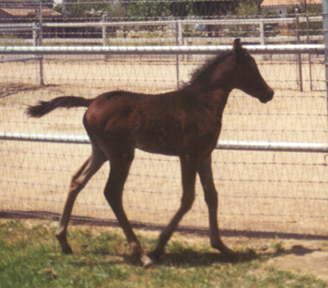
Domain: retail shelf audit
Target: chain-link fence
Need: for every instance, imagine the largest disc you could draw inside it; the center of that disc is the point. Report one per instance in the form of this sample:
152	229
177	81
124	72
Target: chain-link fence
258	191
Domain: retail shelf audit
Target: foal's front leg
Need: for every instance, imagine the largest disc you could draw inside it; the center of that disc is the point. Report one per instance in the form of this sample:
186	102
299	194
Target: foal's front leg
211	199
188	170
119	170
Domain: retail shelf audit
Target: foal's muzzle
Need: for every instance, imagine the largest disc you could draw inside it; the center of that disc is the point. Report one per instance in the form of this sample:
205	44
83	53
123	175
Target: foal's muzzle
268	96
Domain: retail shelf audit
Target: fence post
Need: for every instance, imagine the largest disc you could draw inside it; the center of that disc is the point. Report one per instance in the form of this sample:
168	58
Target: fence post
186	57
180	38
308	42
180	33
262	34
299	56
35	34
40	43
262	37
325	34
177	34
104	31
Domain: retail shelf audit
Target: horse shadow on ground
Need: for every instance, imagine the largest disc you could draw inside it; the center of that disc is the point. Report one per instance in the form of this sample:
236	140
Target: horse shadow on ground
188	257
193	258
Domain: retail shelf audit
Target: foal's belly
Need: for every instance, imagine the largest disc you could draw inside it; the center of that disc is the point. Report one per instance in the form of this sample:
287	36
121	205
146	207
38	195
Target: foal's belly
159	144
177	145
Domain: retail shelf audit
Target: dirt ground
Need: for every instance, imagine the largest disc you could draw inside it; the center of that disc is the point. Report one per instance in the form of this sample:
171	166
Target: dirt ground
271	192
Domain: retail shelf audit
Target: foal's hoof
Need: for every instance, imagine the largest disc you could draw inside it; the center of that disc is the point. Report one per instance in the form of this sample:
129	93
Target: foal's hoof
67	250
225	250
64	245
228	252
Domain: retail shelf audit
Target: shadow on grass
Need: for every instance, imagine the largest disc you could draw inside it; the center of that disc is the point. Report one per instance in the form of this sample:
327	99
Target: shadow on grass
185	257
193	258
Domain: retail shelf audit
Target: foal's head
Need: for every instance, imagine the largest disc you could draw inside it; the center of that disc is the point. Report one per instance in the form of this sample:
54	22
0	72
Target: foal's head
239	70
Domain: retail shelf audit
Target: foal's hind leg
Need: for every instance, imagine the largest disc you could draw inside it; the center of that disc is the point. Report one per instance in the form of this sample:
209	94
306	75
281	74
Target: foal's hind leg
119	169
79	180
211	199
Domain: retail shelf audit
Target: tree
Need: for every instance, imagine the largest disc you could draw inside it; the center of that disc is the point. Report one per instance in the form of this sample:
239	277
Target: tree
88	8
248	8
146	9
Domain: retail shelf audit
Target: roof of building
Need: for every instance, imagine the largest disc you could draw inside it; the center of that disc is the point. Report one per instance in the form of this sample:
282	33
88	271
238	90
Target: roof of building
276	3
30	12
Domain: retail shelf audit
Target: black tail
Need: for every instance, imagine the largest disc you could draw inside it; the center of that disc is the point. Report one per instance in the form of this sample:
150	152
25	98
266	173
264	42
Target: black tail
44	108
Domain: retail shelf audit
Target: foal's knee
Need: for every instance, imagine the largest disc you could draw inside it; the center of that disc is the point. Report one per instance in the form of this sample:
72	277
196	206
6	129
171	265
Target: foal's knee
187	203
76	186
77	183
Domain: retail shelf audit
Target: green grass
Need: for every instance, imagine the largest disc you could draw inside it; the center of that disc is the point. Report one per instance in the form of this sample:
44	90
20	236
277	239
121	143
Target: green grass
30	257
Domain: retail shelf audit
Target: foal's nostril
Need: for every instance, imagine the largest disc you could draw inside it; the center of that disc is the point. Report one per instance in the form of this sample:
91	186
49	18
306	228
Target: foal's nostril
268	96
270	93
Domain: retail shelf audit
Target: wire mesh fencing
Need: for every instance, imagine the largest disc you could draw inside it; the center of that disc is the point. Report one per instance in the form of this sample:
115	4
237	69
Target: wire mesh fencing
267	191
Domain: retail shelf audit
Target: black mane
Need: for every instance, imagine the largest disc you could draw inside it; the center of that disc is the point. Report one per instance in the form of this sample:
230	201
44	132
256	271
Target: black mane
203	73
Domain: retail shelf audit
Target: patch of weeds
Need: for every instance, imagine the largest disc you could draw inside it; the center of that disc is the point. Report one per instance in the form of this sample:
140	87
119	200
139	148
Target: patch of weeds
39	230
16	224
277	246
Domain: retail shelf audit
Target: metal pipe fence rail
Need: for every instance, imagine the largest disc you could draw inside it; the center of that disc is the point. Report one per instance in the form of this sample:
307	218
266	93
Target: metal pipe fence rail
102	35
310	49
222	144
317	49
253	21
177	26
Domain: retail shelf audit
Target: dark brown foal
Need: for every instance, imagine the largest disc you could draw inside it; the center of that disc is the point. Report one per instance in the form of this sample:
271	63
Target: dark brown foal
184	123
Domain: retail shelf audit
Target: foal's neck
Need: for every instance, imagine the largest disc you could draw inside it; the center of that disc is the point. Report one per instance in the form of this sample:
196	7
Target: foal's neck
214	99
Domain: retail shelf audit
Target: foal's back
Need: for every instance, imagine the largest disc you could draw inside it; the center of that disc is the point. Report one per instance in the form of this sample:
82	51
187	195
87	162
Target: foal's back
172	123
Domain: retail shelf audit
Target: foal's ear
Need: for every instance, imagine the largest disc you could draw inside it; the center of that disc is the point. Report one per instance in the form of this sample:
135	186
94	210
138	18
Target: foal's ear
237	46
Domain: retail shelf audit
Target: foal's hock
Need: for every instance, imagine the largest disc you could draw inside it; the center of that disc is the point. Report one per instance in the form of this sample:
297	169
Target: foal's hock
184	123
